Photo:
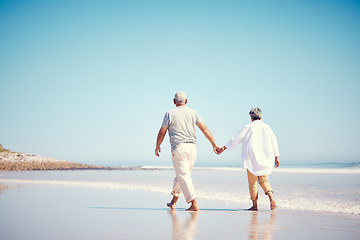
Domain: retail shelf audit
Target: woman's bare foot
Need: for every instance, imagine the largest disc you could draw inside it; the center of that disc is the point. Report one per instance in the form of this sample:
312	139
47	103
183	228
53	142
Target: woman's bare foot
253	208
272	201
272	204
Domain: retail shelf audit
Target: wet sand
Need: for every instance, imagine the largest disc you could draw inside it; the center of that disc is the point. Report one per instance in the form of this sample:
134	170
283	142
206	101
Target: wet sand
45	211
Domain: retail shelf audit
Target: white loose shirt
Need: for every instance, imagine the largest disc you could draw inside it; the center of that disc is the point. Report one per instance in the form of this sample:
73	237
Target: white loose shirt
259	147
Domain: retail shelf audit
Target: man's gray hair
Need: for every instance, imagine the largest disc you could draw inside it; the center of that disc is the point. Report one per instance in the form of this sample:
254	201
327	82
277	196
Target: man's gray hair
255	113
180	97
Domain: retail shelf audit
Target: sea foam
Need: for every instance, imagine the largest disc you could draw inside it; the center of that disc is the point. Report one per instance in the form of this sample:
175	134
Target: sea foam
215	194
283	170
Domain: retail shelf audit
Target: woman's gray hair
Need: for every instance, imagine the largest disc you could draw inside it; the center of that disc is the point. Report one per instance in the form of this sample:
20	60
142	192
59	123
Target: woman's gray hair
255	113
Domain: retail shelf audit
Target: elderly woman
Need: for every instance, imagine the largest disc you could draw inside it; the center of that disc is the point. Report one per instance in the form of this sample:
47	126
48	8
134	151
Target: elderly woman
259	149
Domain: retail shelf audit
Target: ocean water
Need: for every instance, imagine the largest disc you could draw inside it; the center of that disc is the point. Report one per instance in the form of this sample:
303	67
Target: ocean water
323	188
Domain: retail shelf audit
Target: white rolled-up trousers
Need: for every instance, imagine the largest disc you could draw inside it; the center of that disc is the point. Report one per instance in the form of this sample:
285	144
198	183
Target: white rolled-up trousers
183	158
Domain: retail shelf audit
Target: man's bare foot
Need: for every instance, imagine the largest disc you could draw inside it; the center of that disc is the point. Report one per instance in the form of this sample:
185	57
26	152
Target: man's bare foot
272	204
193	207
172	204
253	208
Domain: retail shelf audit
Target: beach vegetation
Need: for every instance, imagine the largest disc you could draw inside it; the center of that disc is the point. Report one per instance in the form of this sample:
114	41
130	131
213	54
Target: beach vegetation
2	149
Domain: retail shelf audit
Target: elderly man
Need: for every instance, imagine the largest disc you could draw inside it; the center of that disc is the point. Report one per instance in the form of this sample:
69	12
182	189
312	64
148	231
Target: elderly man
259	149
181	122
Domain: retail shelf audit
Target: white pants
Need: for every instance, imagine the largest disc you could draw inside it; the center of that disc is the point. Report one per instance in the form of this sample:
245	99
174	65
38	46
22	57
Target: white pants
183	158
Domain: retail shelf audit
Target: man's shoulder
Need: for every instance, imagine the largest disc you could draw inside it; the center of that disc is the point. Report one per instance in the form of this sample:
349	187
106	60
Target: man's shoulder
189	109
181	109
173	110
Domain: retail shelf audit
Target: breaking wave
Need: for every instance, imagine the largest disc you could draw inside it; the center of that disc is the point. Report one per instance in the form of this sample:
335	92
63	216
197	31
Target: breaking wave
298	203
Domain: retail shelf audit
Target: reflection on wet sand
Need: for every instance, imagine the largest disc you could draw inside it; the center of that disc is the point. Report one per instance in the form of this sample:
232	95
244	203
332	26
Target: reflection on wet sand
3	187
263	228
186	230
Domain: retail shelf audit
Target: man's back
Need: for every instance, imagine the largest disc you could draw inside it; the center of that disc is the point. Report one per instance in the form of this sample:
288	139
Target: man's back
181	122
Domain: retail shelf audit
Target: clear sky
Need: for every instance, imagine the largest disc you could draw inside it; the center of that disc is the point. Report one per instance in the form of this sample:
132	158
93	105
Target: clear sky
90	81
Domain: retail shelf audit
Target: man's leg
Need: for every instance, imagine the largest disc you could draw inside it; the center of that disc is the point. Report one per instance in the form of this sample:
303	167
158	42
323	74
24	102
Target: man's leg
253	189
176	192
184	177
176	188
192	157
265	185
183	163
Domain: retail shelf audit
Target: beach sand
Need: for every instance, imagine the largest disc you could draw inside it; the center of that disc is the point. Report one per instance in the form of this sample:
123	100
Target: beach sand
12	161
45	211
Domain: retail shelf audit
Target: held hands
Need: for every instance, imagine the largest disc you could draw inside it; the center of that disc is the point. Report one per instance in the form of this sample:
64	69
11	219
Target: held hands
218	150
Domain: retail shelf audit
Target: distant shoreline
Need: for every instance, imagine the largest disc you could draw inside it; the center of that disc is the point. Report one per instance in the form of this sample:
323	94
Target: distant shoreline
11	161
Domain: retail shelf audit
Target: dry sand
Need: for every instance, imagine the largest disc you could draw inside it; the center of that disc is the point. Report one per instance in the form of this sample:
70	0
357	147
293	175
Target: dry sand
21	162
14	161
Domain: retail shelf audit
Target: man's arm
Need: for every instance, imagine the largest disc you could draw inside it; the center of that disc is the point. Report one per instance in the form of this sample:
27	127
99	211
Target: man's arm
209	136
159	140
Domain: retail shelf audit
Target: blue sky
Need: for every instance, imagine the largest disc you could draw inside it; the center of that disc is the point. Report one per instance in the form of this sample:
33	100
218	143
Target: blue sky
90	81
